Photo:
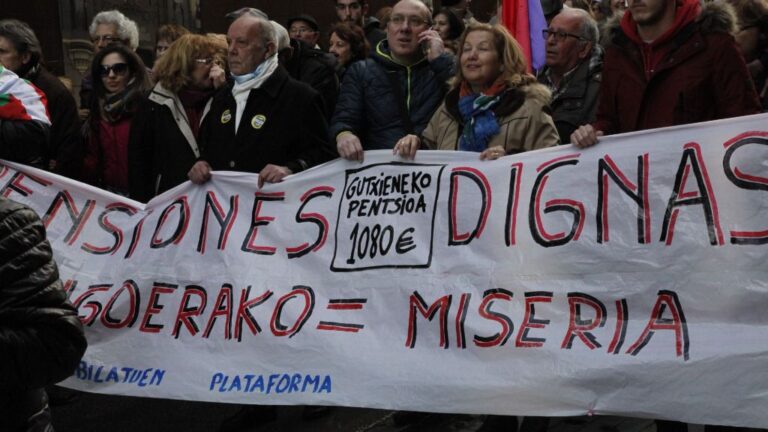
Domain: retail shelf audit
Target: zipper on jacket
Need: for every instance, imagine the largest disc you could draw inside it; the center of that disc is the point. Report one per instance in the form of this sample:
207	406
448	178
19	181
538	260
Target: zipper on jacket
408	97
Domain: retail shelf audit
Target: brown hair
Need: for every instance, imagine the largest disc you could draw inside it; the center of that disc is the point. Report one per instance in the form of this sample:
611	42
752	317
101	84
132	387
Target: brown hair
174	69
354	36
514	65
170	32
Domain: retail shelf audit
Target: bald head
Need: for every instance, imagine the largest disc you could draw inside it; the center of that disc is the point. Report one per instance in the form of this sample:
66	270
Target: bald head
417	3
587	25
408	20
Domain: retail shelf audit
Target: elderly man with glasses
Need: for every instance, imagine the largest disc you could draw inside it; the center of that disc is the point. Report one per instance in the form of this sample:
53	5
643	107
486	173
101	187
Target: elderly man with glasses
395	92
573	71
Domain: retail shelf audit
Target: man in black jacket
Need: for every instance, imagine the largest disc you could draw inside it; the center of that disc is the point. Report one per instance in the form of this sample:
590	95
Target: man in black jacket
41	338
309	65
20	52
265	122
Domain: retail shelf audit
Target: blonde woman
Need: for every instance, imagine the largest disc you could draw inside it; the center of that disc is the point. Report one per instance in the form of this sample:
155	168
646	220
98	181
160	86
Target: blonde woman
163	144
494	106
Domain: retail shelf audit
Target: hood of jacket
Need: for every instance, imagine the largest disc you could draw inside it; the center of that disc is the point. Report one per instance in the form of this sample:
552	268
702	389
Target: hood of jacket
713	17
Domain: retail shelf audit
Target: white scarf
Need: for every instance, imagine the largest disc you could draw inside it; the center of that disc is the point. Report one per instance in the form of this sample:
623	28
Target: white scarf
241	90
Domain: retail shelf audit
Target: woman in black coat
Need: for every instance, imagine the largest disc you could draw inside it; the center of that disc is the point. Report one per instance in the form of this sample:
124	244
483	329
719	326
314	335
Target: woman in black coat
163	143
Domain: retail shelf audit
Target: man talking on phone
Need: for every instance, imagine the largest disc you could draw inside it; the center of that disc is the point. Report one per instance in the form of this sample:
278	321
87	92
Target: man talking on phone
394	92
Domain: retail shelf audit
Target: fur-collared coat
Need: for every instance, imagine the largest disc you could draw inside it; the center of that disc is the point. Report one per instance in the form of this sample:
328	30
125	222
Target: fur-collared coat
523	115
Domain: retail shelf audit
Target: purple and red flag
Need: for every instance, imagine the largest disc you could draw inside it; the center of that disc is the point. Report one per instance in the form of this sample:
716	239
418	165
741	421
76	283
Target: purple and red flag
525	21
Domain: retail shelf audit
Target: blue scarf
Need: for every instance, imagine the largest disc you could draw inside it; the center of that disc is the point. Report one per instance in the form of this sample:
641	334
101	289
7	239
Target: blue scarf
480	123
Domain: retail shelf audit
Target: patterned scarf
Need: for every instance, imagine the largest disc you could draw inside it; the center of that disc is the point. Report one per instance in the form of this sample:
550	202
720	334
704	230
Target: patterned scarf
115	104
480	123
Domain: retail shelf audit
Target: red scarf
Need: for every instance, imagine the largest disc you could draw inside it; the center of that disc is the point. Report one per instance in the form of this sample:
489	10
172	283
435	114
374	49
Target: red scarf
194	101
497	88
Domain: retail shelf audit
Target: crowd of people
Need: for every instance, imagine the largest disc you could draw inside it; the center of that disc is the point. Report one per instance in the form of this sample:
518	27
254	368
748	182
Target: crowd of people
267	98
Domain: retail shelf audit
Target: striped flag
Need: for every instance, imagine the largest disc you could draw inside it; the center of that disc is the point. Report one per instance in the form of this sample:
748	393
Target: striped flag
525	20
20	100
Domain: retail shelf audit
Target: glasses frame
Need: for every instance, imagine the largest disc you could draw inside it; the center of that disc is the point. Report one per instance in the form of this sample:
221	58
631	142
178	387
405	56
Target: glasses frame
561	35
302	30
120	69
410	21
107	38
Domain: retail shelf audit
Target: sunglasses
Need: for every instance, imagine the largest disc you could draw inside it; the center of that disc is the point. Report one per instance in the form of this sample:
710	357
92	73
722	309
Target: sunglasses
117	68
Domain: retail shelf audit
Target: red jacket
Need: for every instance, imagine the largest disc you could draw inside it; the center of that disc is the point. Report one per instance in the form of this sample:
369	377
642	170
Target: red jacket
696	73
106	155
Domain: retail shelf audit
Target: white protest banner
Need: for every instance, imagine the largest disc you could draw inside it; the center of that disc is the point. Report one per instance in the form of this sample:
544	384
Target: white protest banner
628	278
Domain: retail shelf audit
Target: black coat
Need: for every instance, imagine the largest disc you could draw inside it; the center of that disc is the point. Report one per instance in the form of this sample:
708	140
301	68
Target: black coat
283	124
65	145
369	108
161	148
316	68
24	141
41	338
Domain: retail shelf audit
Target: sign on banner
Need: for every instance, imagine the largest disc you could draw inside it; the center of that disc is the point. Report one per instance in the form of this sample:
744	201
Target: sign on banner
628	278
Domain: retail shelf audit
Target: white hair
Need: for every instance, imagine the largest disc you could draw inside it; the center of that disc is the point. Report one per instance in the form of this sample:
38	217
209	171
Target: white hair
281	35
127	29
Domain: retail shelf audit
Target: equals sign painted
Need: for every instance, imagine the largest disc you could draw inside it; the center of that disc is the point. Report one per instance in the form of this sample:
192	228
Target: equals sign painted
343	304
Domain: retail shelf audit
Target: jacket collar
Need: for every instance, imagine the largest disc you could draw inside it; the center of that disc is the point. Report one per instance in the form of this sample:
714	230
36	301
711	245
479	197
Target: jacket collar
383	55
162	96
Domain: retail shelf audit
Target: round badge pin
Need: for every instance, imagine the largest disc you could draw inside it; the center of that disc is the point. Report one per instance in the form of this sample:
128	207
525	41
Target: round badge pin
258	121
226	116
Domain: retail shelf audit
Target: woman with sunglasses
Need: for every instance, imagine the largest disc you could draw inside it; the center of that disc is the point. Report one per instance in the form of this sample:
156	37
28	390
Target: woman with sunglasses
163	142
494	107
119	82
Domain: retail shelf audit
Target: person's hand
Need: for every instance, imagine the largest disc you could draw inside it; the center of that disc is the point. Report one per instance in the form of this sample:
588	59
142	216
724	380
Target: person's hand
217	75
493	153
83	113
585	136
349	146
434	43
200	172
273	174
407	146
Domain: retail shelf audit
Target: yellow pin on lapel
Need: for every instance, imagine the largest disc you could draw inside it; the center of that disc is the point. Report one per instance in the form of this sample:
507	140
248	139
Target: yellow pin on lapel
258	121
226	116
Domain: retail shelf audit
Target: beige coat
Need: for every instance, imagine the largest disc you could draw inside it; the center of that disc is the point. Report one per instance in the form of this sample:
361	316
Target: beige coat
525	124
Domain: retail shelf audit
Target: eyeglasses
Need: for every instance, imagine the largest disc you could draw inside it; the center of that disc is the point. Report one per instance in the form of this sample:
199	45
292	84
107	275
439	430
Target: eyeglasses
413	21
300	30
204	61
118	68
559	35
106	38
351	6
